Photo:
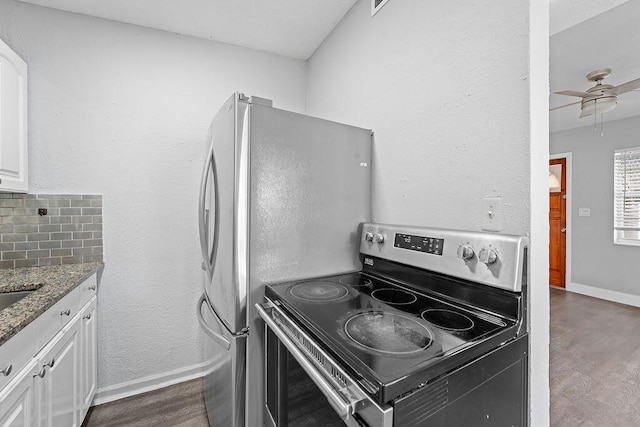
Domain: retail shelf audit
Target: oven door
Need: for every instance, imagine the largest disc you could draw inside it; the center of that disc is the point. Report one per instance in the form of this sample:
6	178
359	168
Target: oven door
294	363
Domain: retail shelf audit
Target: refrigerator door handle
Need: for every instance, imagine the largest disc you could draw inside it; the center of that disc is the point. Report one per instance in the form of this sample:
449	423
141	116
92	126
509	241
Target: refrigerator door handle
209	260
220	339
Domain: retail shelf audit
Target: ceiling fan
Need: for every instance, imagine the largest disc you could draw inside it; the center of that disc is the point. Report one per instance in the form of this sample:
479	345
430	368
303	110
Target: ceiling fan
600	98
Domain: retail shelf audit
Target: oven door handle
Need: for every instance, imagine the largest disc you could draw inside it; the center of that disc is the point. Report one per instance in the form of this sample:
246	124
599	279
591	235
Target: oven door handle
343	406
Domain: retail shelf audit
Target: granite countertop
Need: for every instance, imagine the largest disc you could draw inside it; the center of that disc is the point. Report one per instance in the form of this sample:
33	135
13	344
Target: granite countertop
51	284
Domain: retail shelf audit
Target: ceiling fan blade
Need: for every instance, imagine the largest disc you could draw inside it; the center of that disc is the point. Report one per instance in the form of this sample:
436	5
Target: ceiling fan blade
565	105
585	113
574	93
626	87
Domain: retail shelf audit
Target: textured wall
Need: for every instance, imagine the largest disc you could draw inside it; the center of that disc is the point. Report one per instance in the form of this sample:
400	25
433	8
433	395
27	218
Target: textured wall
123	111
70	232
567	13
448	89
595	260
445	89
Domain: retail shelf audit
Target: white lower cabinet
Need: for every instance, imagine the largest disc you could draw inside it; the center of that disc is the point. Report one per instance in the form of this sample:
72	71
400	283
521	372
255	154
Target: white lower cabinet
17	399
56	386
58	379
88	360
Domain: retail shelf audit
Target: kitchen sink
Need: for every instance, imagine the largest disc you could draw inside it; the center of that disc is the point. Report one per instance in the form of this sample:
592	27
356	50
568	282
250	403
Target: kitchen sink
8	298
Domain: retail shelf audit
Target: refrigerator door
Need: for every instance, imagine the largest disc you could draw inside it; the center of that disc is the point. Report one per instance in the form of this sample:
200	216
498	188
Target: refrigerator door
224	382
208	213
219	211
310	190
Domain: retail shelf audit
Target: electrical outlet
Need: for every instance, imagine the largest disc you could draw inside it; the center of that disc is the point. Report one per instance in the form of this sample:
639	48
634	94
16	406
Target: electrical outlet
492	216
584	211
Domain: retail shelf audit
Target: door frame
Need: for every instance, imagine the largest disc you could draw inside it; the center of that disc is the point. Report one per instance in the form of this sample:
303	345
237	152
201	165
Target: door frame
568	214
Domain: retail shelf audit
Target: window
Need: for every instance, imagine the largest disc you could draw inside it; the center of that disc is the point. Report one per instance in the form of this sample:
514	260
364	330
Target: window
626	190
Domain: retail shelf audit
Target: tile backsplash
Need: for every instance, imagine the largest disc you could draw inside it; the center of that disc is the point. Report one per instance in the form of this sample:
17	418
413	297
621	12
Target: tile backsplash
69	233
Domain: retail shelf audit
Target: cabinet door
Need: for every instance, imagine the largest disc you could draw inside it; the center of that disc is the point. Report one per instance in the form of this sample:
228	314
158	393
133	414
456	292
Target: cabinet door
88	359
59	384
13	121
17	399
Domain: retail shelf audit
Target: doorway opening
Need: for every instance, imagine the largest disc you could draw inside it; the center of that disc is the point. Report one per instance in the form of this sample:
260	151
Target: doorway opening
560	220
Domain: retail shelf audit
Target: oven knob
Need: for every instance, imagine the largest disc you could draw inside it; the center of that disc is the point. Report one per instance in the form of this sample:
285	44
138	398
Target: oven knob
368	236
488	256
465	252
379	238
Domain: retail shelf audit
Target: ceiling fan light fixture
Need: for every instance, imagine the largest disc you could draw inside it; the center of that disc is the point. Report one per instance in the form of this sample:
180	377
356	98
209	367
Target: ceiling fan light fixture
598	105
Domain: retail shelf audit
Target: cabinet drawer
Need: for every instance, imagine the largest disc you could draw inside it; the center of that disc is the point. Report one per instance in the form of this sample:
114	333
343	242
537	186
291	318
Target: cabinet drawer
88	289
54	319
16	353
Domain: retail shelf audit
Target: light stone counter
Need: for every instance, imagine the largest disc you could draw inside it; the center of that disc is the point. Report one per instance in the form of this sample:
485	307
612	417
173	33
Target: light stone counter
52	284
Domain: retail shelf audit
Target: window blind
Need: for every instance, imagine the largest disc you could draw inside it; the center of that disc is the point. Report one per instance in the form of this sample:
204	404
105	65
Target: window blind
627	194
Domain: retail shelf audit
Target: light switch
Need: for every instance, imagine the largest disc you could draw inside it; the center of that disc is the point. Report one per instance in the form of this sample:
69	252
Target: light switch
492	214
584	211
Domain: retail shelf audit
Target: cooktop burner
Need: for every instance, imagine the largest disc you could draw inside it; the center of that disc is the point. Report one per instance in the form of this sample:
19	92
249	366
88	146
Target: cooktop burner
382	327
448	320
394	296
355	280
388	332
318	291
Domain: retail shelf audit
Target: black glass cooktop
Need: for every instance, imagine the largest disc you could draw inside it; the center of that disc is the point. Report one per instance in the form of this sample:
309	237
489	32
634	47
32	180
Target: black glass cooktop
383	331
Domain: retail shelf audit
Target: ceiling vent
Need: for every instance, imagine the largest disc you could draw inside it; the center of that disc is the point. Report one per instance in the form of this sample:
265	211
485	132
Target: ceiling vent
376	5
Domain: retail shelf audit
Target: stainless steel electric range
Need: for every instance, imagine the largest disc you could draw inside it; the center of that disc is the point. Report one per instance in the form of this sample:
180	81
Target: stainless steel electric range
431	331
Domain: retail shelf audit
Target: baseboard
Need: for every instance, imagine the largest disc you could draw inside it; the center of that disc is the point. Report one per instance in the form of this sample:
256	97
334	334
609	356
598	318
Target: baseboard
150	383
606	294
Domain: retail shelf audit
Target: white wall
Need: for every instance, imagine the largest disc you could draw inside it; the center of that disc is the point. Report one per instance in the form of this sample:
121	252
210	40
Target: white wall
539	398
596	262
124	111
447	88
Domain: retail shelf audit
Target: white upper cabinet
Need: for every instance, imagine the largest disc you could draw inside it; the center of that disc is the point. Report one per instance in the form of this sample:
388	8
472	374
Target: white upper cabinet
14	176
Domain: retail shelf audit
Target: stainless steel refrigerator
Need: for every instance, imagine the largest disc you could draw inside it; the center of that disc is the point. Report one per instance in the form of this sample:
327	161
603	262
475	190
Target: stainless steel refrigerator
281	198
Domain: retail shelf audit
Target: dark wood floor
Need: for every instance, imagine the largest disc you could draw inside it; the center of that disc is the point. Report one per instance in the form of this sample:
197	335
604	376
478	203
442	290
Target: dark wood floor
179	405
594	362
594	374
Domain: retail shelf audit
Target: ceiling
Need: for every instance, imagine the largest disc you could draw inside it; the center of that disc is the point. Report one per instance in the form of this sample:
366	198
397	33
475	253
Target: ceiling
293	28
607	40
585	35
567	13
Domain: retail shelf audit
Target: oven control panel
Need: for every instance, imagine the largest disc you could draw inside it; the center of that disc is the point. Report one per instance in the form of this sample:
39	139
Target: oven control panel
489	258
430	245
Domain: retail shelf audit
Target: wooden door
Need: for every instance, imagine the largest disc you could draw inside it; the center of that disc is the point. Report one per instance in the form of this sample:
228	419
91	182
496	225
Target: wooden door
557	226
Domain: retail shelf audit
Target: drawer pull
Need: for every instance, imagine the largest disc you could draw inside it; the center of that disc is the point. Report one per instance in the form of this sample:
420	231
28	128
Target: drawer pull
40	374
92	288
66	312
49	363
87	317
7	370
